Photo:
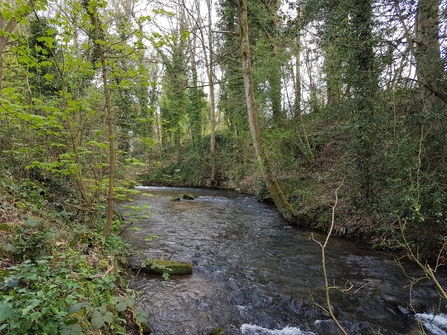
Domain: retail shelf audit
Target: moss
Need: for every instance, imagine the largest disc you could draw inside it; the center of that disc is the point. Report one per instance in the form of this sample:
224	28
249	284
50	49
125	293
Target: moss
9	227
175	198
188	196
217	331
20	205
103	264
162	266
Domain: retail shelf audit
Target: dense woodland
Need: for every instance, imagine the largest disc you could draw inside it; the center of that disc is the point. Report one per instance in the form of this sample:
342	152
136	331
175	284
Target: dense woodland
287	100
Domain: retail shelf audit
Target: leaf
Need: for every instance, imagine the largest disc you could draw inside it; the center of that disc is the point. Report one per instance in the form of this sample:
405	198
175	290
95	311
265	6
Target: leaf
5	311
48	77
102	309
97	320
108	317
9	247
123	303
101	315
32	222
76	307
32	303
35	316
142	316
71	330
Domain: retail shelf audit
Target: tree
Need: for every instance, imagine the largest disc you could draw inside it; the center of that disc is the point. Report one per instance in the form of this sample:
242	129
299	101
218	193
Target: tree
331	37
363	80
174	99
430	69
9	19
280	200
231	101
196	102
92	10
209	61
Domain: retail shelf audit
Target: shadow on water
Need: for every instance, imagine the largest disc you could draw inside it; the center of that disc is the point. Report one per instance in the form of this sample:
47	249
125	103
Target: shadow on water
253	274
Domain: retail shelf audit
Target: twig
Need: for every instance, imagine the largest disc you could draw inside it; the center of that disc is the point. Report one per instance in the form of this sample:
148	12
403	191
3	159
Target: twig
323	260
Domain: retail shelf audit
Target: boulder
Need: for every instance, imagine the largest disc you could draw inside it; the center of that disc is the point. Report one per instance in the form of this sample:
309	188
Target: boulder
166	266
188	196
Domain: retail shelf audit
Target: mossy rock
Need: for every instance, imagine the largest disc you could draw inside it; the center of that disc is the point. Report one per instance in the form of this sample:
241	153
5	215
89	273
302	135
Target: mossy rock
188	196
377	247
217	331
175	198
162	266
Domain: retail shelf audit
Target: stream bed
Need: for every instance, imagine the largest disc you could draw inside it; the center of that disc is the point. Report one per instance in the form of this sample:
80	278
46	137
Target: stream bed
254	274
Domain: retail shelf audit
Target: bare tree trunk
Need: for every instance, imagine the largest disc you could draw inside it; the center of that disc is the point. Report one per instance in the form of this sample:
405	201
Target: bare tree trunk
209	64
212	96
298	115
278	197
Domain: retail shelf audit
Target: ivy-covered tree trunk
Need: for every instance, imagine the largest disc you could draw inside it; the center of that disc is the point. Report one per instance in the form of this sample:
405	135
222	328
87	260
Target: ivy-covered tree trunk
430	69
275	190
6	29
364	85
195	103
9	19
275	65
333	58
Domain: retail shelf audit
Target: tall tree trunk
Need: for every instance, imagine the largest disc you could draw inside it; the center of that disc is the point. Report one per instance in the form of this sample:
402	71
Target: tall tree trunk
430	70
195	106
280	200
365	87
111	133
6	29
298	121
332	55
275	70
209	64
212	97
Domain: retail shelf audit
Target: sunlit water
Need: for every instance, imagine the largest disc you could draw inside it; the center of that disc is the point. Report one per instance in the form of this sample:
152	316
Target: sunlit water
253	274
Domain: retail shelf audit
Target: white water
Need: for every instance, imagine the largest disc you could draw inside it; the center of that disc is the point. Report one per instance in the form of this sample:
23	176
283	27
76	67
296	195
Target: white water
248	329
436	324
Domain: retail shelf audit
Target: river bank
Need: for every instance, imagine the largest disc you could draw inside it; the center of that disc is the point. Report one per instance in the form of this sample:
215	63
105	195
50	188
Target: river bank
58	275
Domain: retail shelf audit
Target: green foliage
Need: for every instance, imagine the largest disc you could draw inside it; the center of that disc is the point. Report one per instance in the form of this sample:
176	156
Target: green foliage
62	294
40	61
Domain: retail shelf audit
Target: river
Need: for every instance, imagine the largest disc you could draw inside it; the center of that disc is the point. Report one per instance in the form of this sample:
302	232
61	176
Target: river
254	274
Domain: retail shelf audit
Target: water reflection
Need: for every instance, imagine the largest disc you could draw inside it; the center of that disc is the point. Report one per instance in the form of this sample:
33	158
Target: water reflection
255	275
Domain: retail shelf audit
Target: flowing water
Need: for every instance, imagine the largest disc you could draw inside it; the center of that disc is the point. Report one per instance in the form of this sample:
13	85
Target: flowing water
253	274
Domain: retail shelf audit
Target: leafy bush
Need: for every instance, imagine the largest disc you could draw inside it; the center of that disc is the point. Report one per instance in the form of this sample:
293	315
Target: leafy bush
60	294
